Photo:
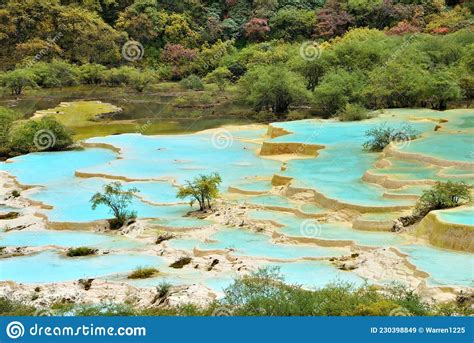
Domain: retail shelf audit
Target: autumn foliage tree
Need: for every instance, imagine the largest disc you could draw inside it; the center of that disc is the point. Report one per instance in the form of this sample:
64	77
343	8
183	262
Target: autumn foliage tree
256	29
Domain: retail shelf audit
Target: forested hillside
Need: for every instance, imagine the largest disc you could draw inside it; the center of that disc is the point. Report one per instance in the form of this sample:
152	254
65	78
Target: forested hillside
339	57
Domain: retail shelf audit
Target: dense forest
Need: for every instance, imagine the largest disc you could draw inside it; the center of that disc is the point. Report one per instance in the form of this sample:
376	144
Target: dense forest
338	57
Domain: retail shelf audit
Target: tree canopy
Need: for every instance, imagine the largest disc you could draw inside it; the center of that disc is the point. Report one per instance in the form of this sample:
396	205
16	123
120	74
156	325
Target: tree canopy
203	189
372	53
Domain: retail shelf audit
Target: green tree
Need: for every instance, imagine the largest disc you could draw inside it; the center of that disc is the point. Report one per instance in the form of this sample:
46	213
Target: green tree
193	82
92	73
203	189
220	77
16	80
117	200
336	89
293	24
441	88
86	38
119	76
442	195
140	79
45	134
353	112
55	74
273	88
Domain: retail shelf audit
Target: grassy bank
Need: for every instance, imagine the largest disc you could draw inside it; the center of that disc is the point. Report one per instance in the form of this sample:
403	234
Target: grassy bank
264	293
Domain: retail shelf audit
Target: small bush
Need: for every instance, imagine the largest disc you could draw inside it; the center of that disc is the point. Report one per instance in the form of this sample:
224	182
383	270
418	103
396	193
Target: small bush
10	307
55	74
181	262
46	134
353	112
143	273
163	289
442	195
164	237
118	76
193	82
380	137
81	251
92	74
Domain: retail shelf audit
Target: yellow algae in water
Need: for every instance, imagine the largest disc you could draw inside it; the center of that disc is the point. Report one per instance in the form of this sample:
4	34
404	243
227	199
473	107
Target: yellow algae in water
78	113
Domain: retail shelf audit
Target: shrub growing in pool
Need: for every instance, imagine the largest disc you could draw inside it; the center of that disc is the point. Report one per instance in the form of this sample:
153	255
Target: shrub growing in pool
203	190
81	251
381	136
143	273
117	200
442	195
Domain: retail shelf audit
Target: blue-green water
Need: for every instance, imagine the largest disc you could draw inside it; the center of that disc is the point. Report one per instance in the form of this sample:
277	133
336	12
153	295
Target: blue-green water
463	216
159	163
247	243
49	266
66	239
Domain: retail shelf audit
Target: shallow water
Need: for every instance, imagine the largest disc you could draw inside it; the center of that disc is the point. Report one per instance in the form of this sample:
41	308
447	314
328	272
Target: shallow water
66	239
247	243
444	266
312	228
464	216
49	266
157	161
314	274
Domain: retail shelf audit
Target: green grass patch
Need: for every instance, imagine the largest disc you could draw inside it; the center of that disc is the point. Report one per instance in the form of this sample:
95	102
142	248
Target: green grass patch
77	113
81	251
143	273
